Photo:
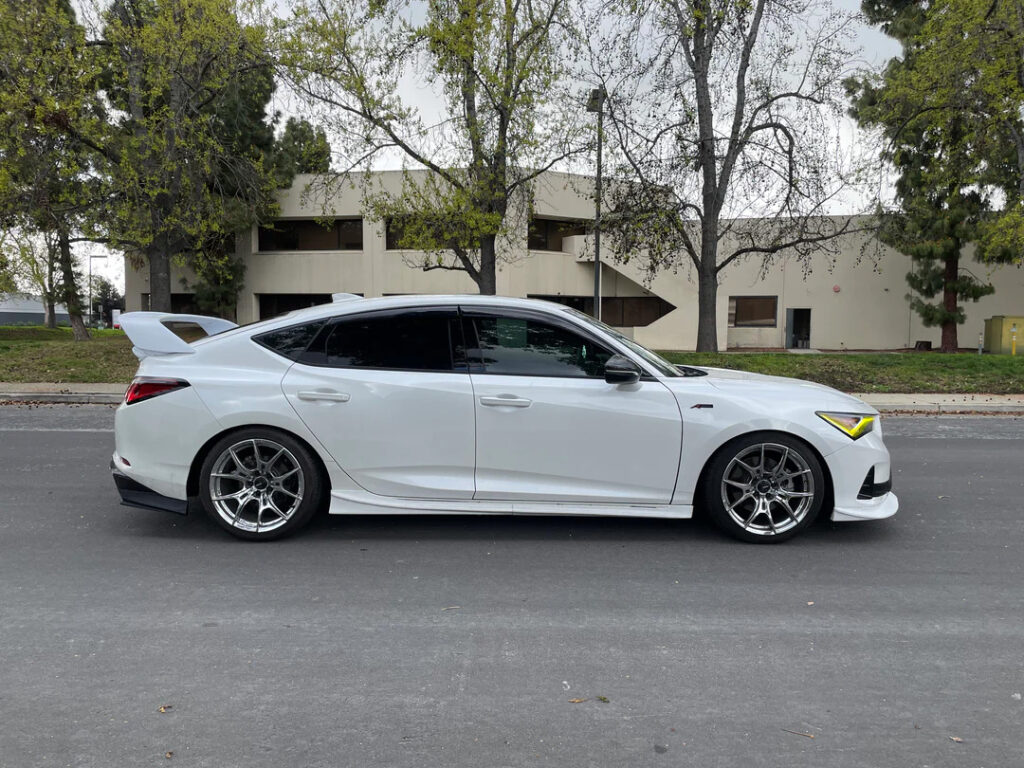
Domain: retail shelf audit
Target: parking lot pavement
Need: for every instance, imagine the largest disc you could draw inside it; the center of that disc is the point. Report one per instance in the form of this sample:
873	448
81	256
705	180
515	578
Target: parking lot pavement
419	641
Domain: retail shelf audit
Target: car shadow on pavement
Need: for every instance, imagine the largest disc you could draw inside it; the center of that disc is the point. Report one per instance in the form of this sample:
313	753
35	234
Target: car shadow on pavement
197	526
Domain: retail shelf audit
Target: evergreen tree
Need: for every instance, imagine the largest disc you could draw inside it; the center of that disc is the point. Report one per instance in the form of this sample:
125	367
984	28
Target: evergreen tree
950	123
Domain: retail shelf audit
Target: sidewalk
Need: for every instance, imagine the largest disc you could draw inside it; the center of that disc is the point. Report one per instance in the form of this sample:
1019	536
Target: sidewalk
885	403
62	393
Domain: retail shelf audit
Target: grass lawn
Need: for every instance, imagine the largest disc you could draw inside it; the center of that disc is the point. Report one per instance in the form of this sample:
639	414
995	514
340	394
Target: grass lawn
30	354
931	372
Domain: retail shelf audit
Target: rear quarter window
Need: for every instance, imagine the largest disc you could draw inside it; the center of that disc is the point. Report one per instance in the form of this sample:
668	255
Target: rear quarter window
290	342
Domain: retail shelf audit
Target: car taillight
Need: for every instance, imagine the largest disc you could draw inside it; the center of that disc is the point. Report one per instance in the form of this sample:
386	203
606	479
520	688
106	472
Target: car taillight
145	387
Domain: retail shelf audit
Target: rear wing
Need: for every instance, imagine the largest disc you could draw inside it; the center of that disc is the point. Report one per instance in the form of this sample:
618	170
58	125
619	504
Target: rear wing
151	336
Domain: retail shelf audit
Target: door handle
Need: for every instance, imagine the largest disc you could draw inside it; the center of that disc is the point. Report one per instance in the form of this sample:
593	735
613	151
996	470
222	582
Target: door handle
333	397
508	401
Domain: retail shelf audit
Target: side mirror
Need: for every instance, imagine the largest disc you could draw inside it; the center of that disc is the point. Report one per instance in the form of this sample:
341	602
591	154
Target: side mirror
621	370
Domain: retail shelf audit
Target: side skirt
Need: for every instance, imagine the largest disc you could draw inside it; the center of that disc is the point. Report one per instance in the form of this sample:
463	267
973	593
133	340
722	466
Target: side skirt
364	503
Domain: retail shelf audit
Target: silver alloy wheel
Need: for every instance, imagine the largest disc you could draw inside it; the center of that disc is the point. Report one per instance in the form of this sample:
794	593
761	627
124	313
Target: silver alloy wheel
256	485
767	489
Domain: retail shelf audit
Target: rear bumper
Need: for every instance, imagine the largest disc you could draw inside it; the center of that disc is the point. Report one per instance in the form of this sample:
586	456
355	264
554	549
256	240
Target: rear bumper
135	494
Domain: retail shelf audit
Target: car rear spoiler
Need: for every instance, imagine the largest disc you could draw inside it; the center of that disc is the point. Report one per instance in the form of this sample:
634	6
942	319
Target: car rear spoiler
150	334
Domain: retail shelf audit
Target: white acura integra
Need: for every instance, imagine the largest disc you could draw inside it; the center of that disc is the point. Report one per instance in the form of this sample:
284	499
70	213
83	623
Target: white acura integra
477	405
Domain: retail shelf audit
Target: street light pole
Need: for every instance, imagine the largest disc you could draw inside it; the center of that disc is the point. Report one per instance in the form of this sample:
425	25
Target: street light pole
596	104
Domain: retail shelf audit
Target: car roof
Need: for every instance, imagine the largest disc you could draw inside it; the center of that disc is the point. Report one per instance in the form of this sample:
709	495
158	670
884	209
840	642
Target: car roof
344	304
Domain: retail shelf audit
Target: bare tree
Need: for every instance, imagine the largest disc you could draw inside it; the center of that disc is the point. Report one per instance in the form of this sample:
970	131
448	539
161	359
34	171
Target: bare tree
505	114
34	264
725	117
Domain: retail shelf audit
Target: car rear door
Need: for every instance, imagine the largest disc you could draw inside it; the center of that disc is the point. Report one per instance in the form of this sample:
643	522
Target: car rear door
389	396
548	425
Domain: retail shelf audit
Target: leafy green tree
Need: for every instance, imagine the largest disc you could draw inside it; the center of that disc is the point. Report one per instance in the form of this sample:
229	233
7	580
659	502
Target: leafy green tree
301	148
105	297
50	120
179	180
949	112
248	131
506	114
8	282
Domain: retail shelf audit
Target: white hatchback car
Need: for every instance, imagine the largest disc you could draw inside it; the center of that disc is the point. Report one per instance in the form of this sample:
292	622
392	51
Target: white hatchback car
477	405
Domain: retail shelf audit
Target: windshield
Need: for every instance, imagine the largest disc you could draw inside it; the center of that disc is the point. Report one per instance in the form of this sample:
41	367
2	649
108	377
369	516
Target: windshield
663	366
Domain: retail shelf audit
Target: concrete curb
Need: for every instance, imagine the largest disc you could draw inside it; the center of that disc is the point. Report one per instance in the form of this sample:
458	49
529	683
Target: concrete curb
85	398
932	409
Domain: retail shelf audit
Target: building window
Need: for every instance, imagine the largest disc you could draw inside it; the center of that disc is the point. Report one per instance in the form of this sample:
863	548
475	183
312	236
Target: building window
547	234
274	304
394	231
312	235
428	234
753	311
181	304
618	311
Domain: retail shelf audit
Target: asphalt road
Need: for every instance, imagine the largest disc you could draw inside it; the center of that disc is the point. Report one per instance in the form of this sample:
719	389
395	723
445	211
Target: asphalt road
462	641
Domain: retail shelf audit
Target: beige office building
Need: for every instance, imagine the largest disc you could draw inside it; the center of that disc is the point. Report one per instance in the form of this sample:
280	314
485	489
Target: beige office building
856	300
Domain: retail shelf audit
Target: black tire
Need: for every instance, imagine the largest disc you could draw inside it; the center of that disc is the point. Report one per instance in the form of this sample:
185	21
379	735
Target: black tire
260	484
764	487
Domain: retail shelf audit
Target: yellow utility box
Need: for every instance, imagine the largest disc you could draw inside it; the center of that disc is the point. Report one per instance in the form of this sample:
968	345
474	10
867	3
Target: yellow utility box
999	334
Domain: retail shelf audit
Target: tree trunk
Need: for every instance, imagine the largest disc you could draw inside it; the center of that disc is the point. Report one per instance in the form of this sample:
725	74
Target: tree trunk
71	300
950	343
488	279
707	289
159	278
49	288
707	310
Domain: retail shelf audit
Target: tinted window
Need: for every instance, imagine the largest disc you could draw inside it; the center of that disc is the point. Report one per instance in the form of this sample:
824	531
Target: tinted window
524	346
312	235
753	311
419	341
291	341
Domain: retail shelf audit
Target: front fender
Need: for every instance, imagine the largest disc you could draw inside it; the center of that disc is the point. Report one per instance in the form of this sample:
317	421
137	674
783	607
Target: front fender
711	419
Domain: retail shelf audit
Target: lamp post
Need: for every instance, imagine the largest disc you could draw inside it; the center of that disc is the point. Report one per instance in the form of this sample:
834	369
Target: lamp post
596	104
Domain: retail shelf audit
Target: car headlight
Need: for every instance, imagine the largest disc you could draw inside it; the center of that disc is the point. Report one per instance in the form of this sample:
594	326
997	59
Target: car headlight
854	425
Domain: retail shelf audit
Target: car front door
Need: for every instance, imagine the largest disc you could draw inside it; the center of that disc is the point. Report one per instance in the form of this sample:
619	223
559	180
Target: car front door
388	395
548	425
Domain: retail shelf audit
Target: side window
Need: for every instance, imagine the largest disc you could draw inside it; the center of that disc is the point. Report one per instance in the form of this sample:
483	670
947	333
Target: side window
528	347
409	340
291	341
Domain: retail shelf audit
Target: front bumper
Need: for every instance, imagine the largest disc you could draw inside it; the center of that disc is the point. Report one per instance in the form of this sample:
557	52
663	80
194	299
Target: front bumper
873	509
135	494
862	480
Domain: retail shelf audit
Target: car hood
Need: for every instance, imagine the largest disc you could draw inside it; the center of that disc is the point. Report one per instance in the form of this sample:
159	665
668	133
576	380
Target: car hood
761	387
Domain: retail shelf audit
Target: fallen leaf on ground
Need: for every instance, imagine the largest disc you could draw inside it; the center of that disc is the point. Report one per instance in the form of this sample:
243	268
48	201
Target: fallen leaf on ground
957	739
165	708
451	607
603	699
168	755
576	701
799	733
